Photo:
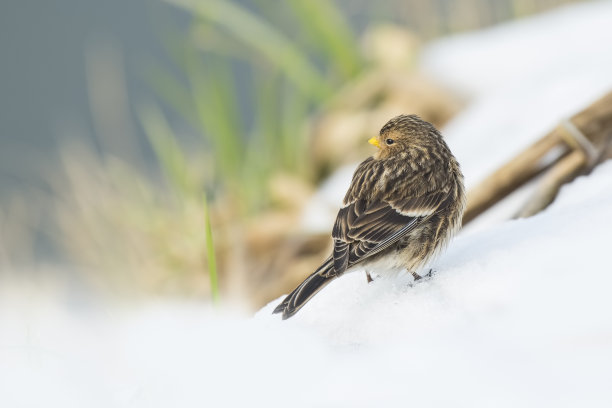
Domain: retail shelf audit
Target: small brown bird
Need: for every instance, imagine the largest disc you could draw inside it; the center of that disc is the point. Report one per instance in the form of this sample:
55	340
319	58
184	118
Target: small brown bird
402	207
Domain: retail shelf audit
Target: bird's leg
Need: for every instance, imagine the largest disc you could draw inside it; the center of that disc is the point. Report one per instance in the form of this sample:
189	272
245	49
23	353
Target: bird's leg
417	277
368	277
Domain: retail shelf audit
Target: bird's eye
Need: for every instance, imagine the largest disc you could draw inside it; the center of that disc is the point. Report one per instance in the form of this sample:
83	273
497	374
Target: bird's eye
389	142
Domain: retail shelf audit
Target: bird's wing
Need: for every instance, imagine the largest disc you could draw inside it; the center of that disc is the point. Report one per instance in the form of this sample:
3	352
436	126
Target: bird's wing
364	228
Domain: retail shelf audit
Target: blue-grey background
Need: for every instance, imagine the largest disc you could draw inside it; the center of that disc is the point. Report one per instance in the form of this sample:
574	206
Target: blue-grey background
43	84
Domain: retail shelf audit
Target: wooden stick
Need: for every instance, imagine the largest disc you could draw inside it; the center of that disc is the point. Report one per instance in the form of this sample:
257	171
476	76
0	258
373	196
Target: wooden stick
594	122
510	176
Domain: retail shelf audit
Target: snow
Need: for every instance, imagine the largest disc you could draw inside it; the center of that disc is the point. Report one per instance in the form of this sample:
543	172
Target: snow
517	313
569	40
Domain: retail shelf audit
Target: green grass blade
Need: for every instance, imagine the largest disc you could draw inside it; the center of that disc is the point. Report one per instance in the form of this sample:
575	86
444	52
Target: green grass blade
210	255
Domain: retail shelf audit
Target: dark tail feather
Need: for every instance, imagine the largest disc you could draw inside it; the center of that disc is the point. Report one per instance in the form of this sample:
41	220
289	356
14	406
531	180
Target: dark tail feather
307	289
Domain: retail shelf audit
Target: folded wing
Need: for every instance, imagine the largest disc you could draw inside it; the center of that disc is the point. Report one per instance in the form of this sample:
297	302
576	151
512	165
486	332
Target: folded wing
363	228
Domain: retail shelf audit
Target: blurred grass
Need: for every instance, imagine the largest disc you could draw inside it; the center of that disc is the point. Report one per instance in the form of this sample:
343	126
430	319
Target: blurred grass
168	152
263	39
287	72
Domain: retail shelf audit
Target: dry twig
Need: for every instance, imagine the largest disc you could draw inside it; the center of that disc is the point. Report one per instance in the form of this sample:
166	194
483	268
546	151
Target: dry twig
572	148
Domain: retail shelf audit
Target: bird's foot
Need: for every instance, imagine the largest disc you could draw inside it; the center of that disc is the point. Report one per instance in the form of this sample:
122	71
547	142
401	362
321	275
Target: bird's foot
369	277
418	277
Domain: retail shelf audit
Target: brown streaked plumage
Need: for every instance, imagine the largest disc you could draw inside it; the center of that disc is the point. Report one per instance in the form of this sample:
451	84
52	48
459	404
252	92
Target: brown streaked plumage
402	207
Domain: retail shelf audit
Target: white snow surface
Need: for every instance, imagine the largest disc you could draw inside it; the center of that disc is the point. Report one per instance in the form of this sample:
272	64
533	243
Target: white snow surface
517	313
565	41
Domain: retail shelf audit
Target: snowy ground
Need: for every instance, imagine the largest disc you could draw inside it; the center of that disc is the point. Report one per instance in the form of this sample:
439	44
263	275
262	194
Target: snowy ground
517	314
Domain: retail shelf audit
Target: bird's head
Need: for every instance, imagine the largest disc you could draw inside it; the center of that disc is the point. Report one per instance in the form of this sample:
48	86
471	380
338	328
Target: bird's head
403	133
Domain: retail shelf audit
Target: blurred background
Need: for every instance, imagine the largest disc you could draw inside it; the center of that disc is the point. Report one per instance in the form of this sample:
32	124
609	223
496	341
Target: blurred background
172	148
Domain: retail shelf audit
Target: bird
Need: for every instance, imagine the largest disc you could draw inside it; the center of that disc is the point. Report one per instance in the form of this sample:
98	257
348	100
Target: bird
401	209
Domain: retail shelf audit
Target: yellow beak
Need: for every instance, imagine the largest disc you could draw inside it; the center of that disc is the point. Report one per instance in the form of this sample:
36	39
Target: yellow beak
374	141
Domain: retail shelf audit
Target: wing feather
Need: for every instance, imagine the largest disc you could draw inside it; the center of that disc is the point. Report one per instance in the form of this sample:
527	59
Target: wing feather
363	229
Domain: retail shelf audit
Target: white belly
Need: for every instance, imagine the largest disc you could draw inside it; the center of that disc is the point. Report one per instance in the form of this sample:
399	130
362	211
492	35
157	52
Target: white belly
385	267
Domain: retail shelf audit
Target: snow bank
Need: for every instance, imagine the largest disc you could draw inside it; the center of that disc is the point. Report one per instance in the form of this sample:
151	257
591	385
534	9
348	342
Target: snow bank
516	315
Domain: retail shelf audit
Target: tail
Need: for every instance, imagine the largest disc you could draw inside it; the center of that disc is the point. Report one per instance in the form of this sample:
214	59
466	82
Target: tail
307	289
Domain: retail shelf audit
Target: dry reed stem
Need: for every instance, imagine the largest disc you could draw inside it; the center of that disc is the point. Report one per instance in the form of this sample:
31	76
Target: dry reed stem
594	122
